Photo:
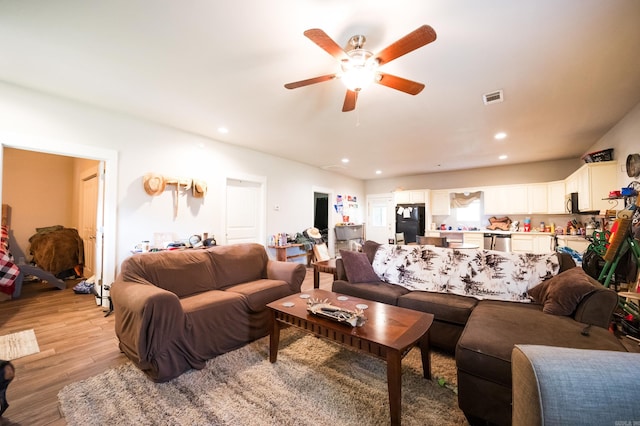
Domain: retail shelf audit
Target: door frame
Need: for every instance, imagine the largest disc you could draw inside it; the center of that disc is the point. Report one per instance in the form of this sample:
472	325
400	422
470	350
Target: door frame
108	183
262	216
94	172
330	220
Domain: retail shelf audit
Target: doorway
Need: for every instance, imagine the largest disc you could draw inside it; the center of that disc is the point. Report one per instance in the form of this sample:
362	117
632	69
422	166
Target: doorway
106	261
321	213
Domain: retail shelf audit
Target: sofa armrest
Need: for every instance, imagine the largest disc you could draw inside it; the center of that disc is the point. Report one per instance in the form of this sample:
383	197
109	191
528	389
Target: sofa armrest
340	272
148	319
597	307
553	385
292	273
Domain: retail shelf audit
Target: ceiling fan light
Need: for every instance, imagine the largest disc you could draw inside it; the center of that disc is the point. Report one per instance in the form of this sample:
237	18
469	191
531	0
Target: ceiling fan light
359	70
358	78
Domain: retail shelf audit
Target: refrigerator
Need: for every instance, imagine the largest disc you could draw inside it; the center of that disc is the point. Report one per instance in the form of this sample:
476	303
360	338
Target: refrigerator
410	219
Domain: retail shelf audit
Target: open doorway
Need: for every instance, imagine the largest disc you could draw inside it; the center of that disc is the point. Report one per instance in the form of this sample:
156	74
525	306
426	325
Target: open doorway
105	267
49	202
321	213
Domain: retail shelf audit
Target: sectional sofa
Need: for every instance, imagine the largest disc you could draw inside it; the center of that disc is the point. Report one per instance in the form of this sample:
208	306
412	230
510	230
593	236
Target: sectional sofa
484	303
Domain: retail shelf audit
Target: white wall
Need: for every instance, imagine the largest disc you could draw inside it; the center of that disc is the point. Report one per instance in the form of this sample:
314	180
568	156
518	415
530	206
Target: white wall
39	189
624	138
148	147
544	171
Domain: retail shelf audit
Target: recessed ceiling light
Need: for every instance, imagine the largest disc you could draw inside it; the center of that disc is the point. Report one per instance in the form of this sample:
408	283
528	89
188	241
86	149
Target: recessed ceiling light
378	172
500	135
502	157
223	130
345	160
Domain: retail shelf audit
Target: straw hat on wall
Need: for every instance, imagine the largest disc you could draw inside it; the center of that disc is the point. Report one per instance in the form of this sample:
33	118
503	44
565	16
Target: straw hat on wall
154	184
199	188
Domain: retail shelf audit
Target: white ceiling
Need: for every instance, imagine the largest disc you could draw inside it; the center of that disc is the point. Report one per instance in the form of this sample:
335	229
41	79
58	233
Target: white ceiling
569	69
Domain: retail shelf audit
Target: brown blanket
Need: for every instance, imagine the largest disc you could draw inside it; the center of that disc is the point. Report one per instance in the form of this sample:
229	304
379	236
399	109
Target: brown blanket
57	250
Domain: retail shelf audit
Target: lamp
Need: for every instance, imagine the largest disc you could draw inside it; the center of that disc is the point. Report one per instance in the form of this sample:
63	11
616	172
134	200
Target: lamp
360	69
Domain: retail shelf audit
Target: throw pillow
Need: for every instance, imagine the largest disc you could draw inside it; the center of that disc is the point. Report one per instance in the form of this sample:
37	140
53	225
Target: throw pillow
357	267
561	294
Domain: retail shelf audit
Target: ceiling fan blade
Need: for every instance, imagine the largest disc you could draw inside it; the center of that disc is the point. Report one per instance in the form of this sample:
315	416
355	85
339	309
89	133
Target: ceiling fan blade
350	101
399	83
321	38
309	81
415	39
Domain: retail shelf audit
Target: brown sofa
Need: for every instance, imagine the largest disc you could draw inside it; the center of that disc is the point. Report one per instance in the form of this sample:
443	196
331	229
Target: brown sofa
482	333
177	309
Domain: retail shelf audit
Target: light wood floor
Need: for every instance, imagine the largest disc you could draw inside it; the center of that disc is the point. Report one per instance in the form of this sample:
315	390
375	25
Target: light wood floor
76	341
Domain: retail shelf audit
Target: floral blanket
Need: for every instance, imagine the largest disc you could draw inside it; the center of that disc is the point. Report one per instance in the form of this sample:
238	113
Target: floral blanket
8	269
483	274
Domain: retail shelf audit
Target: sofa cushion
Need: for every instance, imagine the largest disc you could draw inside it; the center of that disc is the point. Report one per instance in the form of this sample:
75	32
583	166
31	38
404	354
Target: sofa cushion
370	248
496	275
238	263
261	292
444	307
357	267
483	274
378	292
182	272
494	327
414	267
561	294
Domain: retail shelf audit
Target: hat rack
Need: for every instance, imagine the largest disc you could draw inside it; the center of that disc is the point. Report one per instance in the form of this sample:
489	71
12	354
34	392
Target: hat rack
155	184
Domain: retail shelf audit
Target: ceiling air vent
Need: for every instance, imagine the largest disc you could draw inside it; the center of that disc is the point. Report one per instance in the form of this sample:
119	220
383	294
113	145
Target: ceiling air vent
493	97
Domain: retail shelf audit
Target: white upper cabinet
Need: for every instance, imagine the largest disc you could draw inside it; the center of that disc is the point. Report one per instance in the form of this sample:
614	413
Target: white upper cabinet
410	197
506	199
440	202
556	197
593	182
537	198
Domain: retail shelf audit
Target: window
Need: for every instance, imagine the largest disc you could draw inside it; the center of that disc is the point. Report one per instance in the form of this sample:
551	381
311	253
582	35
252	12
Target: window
467	207
470	214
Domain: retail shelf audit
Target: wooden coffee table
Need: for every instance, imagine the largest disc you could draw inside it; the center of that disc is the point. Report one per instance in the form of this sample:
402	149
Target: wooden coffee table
389	333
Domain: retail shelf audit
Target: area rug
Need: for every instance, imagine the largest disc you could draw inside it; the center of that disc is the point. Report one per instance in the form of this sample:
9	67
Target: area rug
314	382
17	345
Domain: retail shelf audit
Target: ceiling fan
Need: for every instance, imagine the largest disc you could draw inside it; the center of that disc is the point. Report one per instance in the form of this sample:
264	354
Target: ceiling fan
360	67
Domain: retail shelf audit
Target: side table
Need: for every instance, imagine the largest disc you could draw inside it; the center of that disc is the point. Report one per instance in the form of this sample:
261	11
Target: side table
281	253
328	266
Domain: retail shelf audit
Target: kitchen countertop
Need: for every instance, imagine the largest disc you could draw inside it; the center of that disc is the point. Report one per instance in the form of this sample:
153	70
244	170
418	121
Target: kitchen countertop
489	231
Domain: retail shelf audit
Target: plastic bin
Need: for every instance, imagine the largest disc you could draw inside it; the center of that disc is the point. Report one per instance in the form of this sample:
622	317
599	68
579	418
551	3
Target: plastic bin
598	156
349	232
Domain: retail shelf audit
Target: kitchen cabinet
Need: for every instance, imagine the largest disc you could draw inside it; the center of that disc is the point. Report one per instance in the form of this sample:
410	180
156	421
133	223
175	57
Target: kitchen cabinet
537	198
594	181
576	243
531	243
556	197
440	202
506	199
476	238
410	197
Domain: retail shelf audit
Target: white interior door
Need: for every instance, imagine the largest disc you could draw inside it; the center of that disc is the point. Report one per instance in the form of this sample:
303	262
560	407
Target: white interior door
245	212
380	225
88	219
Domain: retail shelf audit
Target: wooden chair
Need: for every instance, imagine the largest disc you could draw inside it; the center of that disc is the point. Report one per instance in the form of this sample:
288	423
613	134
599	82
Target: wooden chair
321	252
432	241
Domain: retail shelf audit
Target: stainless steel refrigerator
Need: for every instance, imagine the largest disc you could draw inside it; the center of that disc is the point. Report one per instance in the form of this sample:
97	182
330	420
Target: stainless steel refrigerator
410	219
